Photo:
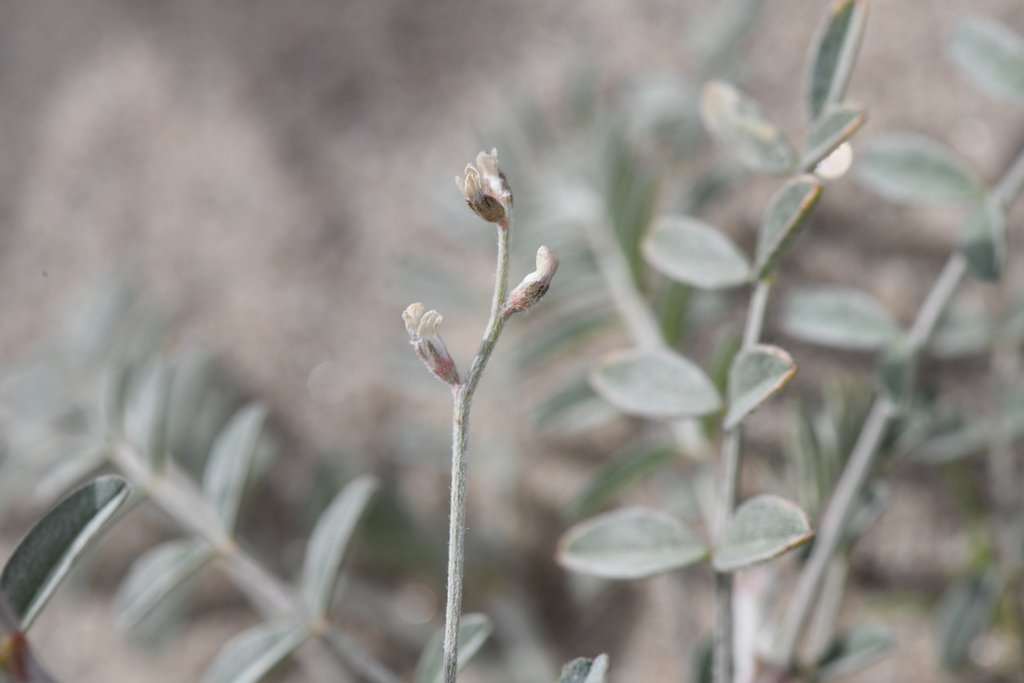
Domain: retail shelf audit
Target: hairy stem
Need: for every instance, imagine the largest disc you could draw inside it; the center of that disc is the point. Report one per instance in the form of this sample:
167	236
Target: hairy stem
727	495
463	400
865	448
179	497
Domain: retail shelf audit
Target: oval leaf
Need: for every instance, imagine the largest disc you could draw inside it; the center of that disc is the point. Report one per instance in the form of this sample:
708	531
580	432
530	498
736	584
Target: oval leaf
738	123
46	555
992	56
839	317
330	539
836	126
474	630
694	253
783	221
984	240
757	374
632	543
230	461
157	574
852	650
762	528
655	384
912	168
253	653
834	54
583	670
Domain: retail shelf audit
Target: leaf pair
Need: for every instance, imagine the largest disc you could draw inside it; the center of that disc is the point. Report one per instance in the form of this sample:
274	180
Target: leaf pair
634	543
694	253
740	124
663	384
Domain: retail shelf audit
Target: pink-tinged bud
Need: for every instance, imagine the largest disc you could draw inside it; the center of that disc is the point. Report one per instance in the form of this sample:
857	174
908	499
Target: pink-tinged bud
485	188
422	329
534	286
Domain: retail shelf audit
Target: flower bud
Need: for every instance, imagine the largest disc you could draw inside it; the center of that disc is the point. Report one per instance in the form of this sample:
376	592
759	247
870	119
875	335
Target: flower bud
422	329
485	188
534	286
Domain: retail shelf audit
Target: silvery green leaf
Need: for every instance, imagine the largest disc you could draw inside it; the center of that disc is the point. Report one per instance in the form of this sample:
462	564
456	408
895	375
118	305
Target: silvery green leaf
253	653
474	630
329	540
964	614
738	123
49	551
785	216
983	242
584	670
694	253
913	168
631	543
155	575
835	126
757	374
146	419
227	469
656	384
992	56
854	649
761	528
839	317
834	54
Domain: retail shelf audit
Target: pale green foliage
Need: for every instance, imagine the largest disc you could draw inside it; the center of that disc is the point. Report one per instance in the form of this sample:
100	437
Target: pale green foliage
630	543
762	528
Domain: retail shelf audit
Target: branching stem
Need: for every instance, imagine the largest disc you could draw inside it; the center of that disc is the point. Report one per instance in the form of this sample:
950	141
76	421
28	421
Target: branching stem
462	395
865	449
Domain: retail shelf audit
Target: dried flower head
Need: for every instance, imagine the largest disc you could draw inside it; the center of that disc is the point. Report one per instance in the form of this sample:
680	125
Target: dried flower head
535	285
485	188
422	329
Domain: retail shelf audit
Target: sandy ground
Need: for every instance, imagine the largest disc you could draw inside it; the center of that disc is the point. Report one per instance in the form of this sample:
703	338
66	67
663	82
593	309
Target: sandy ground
266	168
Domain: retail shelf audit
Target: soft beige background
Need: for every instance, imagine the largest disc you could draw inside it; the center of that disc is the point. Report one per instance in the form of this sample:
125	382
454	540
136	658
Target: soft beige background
262	165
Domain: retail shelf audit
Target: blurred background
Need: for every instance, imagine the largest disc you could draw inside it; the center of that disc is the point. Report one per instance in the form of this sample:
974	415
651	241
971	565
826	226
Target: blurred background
272	182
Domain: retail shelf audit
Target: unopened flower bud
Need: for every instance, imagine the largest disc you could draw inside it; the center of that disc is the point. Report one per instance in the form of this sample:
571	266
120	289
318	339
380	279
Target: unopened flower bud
422	329
486	190
534	286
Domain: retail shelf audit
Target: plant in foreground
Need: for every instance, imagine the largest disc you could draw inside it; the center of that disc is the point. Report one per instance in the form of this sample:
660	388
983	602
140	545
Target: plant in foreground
489	195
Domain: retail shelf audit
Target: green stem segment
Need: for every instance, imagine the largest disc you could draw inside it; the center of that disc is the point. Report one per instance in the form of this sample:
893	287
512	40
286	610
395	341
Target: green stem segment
462	395
865	449
728	492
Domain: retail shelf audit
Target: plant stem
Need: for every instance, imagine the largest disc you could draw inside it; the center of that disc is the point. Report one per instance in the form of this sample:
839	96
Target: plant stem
462	396
865	449
177	495
727	495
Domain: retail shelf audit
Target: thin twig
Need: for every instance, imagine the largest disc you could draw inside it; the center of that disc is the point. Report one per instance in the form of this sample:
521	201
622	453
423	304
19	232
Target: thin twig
865	448
463	400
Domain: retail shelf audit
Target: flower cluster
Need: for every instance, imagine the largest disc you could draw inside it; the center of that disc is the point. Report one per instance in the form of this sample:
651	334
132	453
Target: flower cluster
486	190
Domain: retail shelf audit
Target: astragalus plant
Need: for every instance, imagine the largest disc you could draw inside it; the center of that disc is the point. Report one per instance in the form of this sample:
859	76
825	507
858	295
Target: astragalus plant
654	380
